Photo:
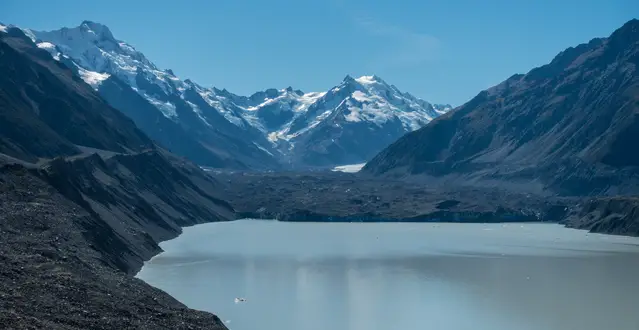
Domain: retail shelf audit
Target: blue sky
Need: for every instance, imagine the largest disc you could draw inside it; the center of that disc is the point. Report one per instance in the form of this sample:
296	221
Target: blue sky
444	51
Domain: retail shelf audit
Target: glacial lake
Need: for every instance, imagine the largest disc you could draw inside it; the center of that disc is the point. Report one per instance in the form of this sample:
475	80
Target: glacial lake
408	276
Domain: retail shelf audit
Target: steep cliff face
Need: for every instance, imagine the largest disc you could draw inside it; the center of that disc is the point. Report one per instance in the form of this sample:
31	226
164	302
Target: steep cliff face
578	114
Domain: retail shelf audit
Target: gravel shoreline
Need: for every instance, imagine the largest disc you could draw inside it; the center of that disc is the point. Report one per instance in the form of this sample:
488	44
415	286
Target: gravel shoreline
55	276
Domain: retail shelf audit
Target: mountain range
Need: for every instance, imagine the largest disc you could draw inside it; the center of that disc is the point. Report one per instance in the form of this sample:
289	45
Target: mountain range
569	127
270	129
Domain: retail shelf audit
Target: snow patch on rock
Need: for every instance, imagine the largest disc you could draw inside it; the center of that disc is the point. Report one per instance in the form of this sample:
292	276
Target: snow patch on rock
93	78
353	168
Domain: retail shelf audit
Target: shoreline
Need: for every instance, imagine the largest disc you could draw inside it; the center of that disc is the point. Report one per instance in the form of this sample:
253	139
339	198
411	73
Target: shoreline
596	239
66	266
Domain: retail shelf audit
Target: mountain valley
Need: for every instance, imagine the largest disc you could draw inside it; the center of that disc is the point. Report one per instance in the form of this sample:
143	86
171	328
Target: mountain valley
103	156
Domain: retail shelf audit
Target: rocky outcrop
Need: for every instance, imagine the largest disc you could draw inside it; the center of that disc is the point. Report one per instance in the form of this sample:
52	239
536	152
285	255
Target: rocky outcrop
610	215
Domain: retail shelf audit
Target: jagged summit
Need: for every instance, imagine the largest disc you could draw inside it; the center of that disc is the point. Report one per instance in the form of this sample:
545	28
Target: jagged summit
370	79
627	35
348	78
631	25
99	29
362	79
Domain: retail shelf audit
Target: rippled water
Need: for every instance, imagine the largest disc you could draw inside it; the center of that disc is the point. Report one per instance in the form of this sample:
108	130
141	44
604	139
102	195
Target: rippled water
381	276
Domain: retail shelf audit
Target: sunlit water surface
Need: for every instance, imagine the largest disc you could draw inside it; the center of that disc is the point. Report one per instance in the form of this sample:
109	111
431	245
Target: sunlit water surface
381	276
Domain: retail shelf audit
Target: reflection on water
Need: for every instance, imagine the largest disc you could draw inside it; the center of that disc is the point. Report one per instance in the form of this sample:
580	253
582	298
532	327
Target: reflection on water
309	276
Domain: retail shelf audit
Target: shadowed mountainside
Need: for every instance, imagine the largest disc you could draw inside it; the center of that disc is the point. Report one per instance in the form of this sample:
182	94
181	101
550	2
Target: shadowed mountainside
45	109
145	198
160	128
570	125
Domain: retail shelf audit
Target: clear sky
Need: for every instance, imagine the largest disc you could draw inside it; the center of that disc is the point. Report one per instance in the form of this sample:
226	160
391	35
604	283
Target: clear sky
444	51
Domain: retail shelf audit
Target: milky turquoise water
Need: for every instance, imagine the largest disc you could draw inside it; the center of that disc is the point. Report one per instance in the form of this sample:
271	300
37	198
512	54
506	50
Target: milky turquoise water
381	276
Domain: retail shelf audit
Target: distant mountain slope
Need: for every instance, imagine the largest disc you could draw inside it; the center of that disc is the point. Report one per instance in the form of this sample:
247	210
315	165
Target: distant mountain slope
217	128
162	129
572	124
351	122
45	110
171	111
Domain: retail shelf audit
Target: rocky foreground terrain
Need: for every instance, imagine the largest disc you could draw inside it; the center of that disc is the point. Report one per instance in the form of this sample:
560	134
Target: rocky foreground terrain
64	267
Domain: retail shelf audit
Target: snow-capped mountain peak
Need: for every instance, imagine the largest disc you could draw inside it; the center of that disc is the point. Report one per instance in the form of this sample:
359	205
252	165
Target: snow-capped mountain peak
276	121
367	101
93	48
370	98
101	32
369	80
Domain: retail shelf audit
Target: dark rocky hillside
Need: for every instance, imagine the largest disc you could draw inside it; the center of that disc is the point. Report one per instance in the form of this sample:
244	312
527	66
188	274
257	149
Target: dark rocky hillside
144	198
65	263
45	110
570	126
85	197
610	215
